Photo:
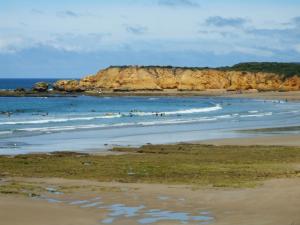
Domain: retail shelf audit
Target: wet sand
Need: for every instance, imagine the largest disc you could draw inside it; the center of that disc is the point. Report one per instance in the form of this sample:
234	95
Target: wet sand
225	206
272	95
276	140
268	95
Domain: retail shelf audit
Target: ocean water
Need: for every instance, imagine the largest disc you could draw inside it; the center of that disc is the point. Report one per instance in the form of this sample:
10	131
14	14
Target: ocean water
10	84
96	123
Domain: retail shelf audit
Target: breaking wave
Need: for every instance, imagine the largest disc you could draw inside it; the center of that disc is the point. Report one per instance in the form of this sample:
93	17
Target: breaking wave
112	116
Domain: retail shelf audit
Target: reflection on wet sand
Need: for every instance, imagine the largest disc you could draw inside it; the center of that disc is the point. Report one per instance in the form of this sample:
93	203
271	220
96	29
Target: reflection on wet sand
140	214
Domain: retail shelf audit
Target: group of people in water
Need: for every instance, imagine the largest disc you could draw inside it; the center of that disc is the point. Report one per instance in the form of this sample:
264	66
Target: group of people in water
9	114
135	112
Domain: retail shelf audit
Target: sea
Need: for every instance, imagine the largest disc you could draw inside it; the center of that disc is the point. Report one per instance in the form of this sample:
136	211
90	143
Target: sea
11	84
94	124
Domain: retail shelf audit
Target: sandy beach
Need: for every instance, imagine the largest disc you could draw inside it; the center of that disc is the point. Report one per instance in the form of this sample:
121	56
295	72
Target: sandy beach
207	186
271	95
218	206
278	140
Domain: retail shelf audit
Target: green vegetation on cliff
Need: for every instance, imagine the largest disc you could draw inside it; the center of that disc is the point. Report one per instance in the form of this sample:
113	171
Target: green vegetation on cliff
285	69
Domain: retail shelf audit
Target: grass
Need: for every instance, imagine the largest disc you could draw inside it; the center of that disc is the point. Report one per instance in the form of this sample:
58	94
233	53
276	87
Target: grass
224	166
20	188
284	69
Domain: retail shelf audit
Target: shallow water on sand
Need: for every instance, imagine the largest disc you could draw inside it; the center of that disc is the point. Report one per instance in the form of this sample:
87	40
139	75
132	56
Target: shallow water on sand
139	214
93	123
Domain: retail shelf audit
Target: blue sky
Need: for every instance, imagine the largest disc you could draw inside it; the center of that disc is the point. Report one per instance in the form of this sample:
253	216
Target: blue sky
73	38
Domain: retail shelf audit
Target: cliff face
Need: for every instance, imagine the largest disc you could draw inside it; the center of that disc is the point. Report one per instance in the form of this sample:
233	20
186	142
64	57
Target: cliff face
188	79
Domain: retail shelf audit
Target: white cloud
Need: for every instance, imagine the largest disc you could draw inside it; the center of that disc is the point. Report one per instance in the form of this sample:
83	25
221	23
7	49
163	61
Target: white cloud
14	44
178	3
297	48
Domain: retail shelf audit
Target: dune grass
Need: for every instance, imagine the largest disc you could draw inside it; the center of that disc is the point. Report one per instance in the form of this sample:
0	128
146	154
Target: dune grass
223	166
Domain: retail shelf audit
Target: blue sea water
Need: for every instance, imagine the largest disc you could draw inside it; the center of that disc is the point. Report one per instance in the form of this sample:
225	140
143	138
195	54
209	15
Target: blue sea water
95	123
10	84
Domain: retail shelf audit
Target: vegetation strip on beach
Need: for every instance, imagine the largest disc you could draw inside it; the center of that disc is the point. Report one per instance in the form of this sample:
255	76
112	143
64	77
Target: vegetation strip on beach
194	164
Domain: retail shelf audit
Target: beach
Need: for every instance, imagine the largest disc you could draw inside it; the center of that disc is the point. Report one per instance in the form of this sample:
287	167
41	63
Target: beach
233	185
224	206
283	140
221	160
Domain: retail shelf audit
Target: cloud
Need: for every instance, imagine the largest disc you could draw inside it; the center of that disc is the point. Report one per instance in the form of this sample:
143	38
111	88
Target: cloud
67	13
296	21
69	42
297	48
175	3
72	42
12	44
219	21
37	11
137	30
49	62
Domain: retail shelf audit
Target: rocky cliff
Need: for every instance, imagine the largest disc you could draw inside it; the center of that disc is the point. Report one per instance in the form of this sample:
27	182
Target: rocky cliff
133	78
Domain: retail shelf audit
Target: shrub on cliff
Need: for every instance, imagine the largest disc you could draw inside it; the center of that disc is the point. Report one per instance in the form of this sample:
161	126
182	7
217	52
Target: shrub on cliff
285	69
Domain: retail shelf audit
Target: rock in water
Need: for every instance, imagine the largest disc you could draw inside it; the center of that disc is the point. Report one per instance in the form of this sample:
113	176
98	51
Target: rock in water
20	90
41	87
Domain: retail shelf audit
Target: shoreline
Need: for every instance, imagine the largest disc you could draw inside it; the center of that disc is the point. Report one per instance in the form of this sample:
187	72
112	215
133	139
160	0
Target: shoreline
292	140
267	95
265	138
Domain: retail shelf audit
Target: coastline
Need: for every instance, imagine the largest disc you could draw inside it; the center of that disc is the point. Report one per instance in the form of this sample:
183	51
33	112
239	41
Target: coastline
267	95
137	136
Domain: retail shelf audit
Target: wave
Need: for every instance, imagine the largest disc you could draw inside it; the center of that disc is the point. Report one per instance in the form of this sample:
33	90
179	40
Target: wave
142	123
93	126
196	110
257	115
179	112
113	115
59	120
5	132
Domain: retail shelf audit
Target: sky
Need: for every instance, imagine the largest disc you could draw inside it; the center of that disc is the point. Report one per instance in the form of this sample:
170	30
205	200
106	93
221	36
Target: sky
74	38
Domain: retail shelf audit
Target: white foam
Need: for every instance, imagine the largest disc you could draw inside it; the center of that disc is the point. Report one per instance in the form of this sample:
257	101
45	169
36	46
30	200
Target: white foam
226	116
5	132
257	115
152	99
60	120
196	110
179	112
112	116
166	122
58	128
148	123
